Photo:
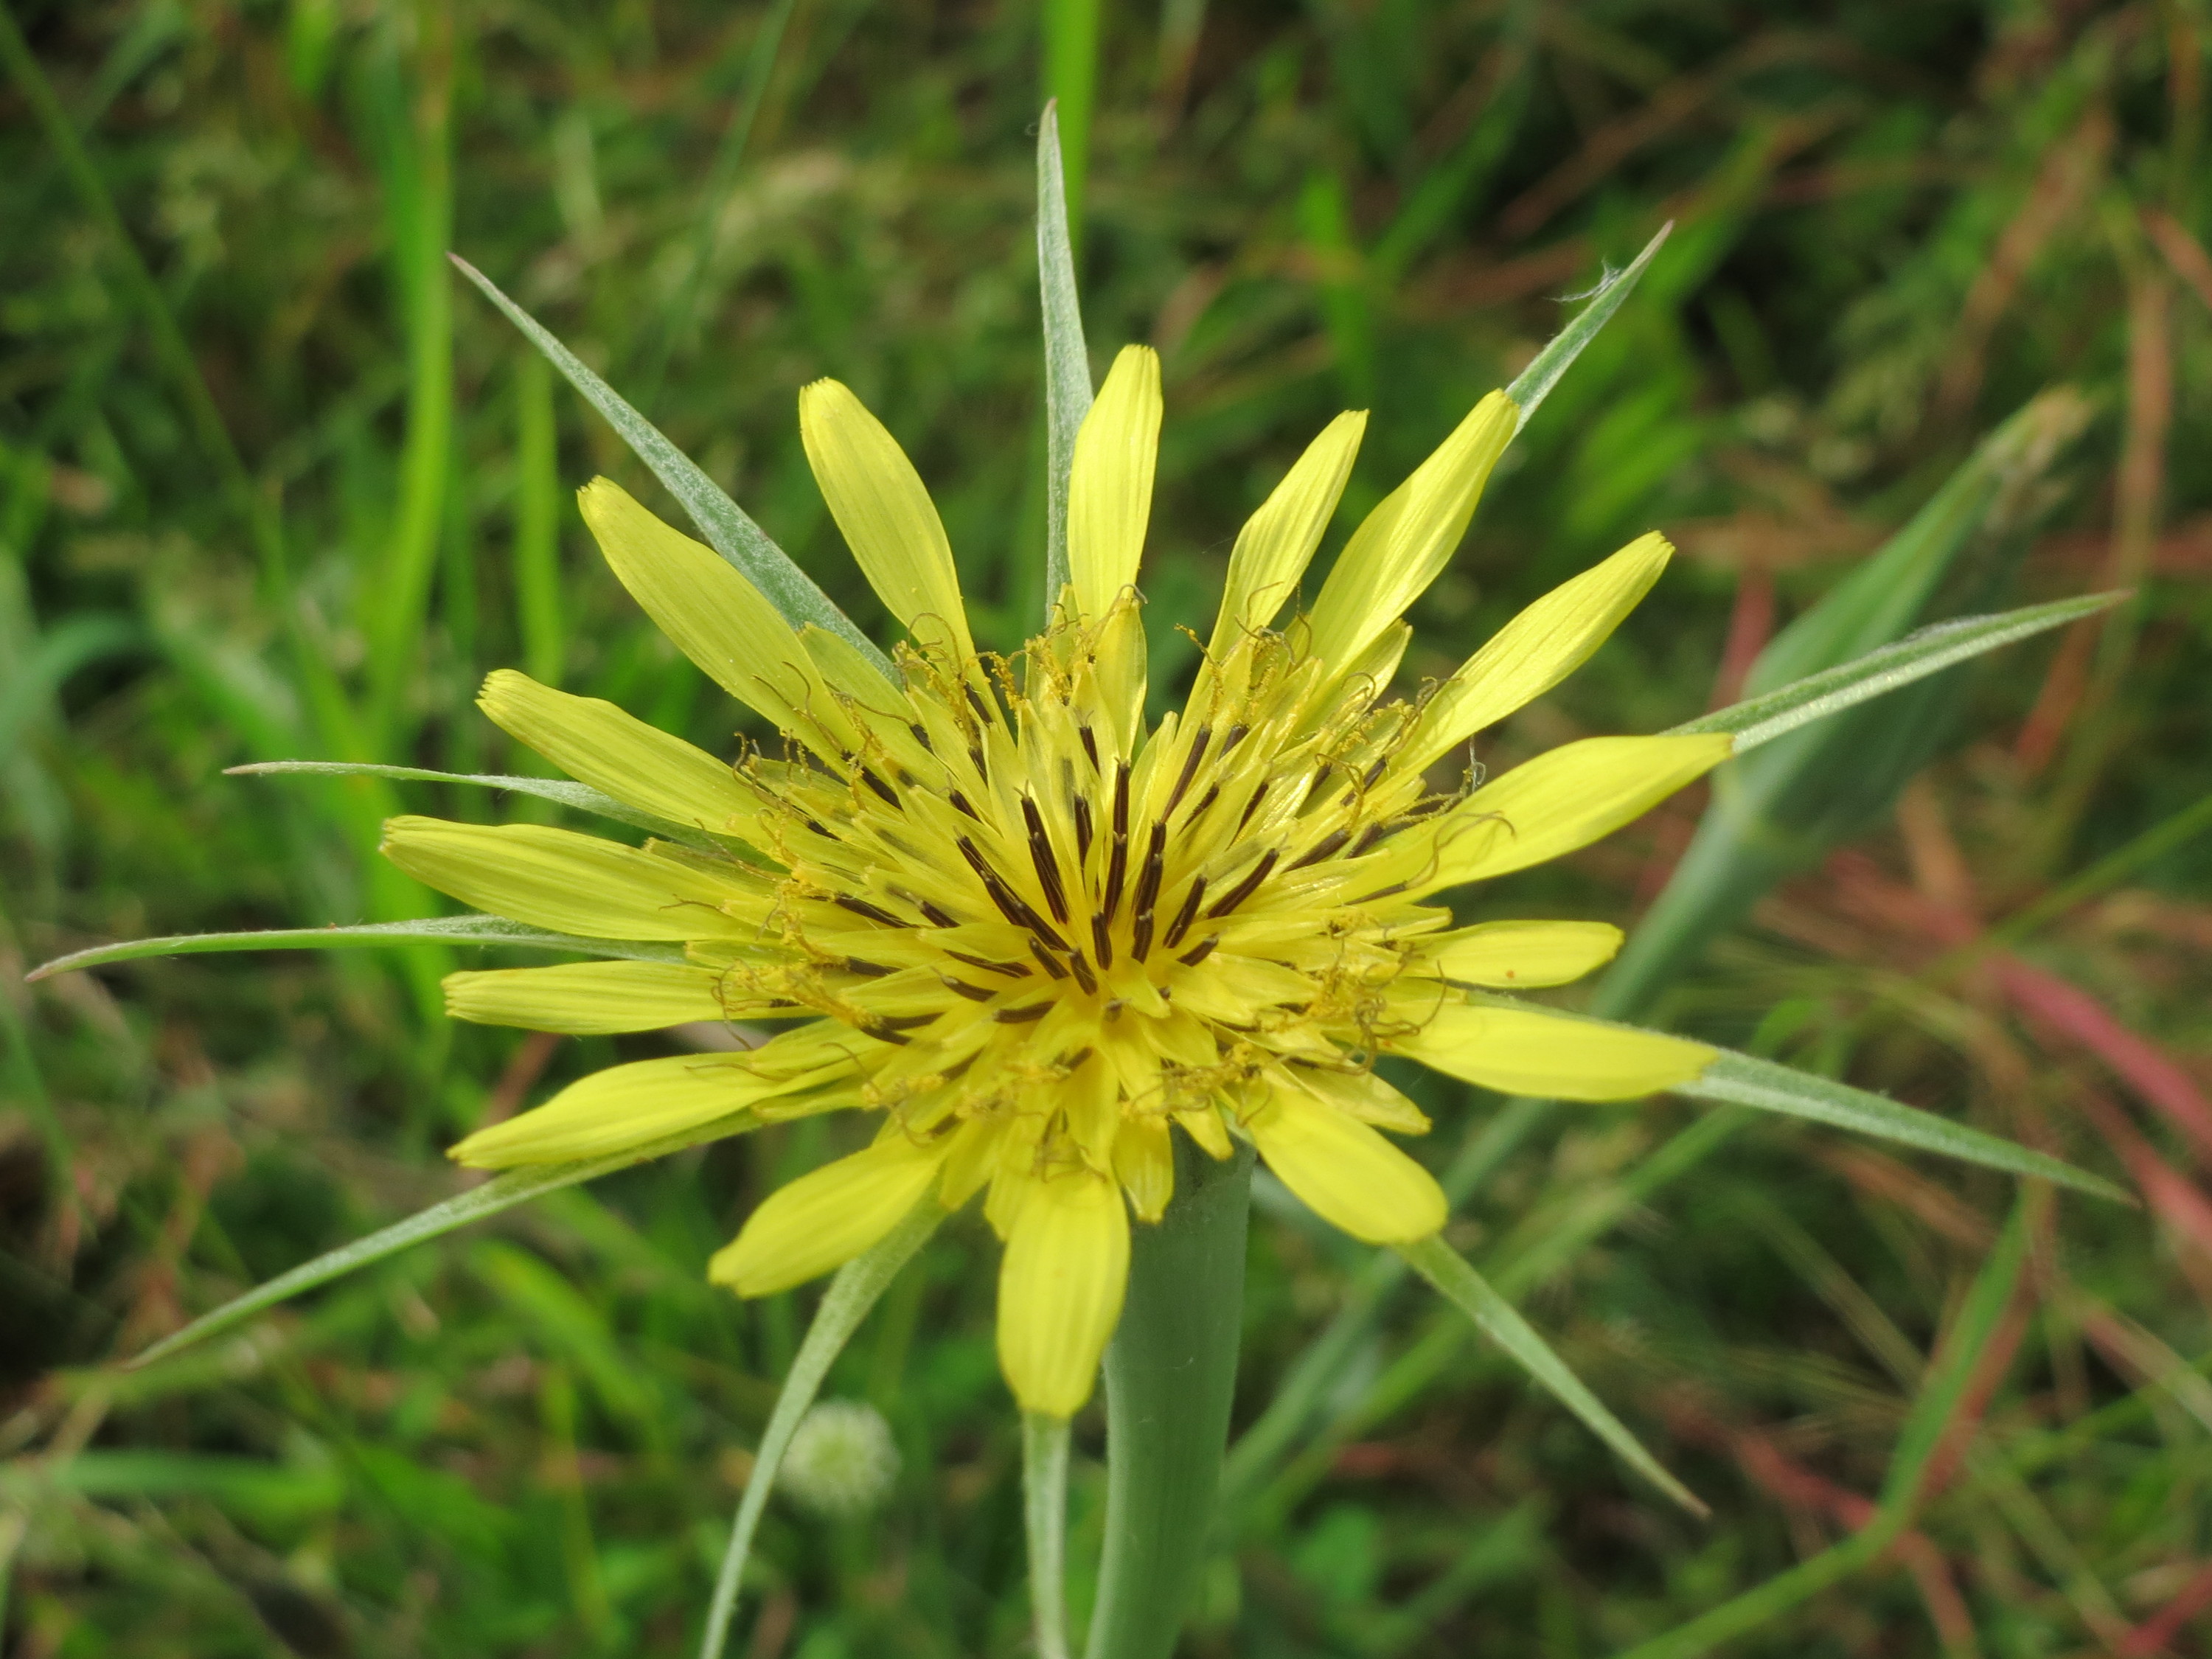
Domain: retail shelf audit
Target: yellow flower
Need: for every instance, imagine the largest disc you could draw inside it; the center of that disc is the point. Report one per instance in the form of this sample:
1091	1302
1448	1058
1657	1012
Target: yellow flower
1036	938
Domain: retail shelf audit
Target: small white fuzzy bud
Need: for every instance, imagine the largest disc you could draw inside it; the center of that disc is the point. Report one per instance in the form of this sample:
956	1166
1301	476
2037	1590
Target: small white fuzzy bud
843	1460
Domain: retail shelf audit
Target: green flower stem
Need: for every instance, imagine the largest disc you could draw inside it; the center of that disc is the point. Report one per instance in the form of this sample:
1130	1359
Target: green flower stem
1170	1376
1044	1512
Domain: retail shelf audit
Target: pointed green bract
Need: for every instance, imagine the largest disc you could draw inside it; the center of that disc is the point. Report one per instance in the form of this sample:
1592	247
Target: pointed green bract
1929	651
430	930
1742	1080
1066	360
1534	383
851	1293
1473	1295
502	1192
727	527
581	796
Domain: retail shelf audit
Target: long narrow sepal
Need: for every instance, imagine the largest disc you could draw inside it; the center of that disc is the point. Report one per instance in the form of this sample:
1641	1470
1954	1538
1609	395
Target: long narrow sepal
851	1293
580	796
1473	1295
1066	360
1929	651
429	930
1044	1514
1742	1080
727	527
502	1192
1534	383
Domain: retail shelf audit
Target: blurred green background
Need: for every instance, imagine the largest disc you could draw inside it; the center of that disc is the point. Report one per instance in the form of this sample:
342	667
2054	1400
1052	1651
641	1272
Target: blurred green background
275	483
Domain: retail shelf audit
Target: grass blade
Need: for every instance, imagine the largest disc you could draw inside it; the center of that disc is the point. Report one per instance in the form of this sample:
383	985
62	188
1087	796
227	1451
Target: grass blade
1066	360
1927	651
428	930
502	1192
582	797
726	526
537	523
1742	1080
1534	383
1044	1513
1473	1295
851	1294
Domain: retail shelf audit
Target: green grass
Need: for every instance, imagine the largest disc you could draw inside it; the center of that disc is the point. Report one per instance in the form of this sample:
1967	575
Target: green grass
274	484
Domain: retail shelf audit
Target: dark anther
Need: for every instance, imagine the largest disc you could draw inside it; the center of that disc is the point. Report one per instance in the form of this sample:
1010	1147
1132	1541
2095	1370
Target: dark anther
939	917
1252	806
1244	888
1190	764
1373	833
1120	797
1200	951
1081	804
1089	745
861	907
1148	890
865	969
1213	794
1113	1010
1010	905
1373	775
904	1022
1047	866
975	759
1084	977
1117	871
1237	733
1327	846
960	804
973	993
1102	941
1189	914
920	735
888	794
1051	963
1010	970
1024	1016
820	828
975	702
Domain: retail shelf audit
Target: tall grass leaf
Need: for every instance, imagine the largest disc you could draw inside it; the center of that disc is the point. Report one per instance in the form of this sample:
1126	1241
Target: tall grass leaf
851	1294
1930	650
1467	1290
1742	1080
537	523
502	1192
430	930
1534	383
726	526
582	797
1068	387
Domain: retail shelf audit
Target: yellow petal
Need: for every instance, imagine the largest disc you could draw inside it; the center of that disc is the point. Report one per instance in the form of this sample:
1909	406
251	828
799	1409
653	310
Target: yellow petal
1278	541
584	997
1109	490
713	614
640	765
1405	542
1346	1172
1563	799
1144	1162
1521	954
823	1220
1536	651
621	1107
889	522
1059	1289
1528	1051
558	879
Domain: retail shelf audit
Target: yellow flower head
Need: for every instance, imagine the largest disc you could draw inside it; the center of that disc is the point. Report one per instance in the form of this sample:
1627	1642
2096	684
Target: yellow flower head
1032	935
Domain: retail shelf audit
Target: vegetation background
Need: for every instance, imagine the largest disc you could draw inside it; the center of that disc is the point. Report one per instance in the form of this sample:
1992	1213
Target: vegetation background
274	484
